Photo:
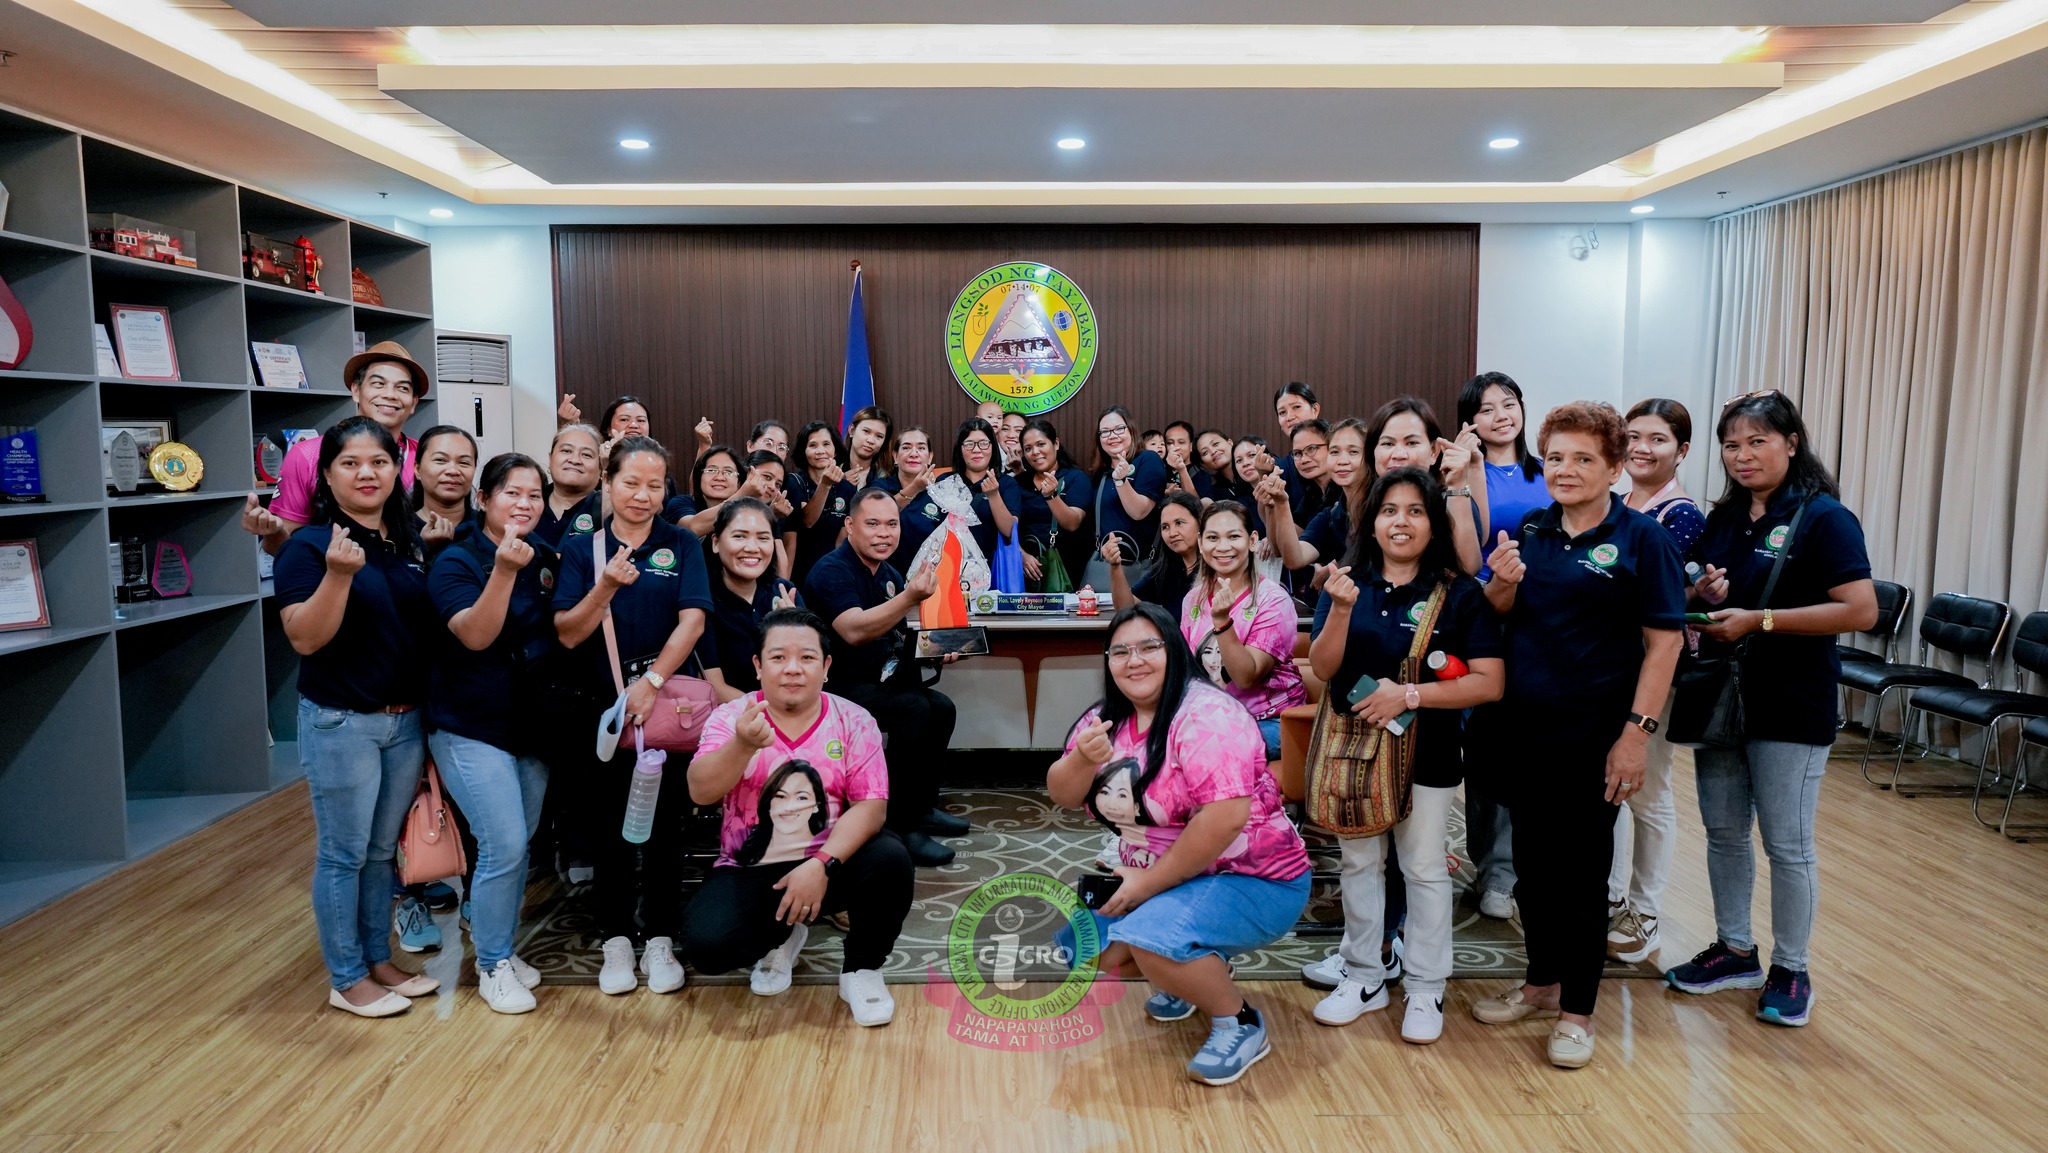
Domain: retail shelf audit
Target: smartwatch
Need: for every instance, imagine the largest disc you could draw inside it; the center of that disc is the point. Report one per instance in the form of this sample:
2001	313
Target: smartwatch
826	859
1647	724
653	678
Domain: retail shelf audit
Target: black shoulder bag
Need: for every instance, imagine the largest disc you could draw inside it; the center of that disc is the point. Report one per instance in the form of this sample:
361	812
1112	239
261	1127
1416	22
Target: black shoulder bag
1706	706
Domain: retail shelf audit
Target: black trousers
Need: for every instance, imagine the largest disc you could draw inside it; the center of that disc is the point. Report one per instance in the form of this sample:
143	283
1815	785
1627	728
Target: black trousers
634	887
1563	831
917	725
731	922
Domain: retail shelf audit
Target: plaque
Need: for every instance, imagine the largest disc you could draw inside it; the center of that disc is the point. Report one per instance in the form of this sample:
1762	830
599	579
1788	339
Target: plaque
134	584
279	365
173	577
269	461
21	467
176	466
22	604
122	460
145	435
142	336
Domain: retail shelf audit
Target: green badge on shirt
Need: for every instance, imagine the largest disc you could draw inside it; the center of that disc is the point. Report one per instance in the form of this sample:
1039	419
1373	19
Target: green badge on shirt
835	749
1415	612
932	511
584	523
547	580
1605	555
663	558
1778	537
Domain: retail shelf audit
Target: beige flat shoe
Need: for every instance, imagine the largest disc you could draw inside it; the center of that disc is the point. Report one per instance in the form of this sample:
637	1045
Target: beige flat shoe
1571	1047
418	985
389	1005
1508	1008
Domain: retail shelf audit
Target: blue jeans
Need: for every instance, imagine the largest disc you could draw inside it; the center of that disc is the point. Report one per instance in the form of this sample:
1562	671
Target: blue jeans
1776	783
362	770
1270	729
500	796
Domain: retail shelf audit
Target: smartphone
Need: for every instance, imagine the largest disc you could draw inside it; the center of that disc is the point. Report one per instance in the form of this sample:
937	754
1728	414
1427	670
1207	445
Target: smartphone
1096	891
1699	618
971	641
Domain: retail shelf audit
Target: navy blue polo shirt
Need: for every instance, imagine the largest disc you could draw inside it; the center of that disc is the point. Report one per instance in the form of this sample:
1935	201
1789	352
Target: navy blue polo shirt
1788	682
1165	584
378	655
1037	521
491	696
471	519
916	521
679	506
822	537
733	639
1383	625
1148	481
1575	635
1329	532
582	517
644	613
841	581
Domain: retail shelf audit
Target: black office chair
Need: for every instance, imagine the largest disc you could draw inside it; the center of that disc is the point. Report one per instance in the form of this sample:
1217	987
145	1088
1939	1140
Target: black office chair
1894	608
1966	627
1987	708
2033	734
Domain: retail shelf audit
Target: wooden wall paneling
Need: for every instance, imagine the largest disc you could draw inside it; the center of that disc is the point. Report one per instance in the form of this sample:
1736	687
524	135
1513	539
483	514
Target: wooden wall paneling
1196	322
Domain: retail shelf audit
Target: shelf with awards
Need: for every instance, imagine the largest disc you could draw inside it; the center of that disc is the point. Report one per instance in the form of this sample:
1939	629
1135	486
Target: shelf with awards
133	719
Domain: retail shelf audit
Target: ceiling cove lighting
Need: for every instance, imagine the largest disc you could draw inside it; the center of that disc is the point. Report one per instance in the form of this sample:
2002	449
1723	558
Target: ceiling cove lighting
439	213
1503	143
1643	209
997	45
633	144
1071	143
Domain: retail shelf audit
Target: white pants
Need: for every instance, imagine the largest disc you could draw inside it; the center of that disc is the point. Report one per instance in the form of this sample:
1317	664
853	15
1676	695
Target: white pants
1640	874
1427	939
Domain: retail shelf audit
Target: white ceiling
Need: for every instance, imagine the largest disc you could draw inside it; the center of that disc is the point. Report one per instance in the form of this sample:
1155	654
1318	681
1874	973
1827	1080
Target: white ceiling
403	13
1007	134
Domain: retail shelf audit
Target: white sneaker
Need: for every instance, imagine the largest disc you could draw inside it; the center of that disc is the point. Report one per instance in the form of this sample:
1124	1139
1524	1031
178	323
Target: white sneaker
1327	973
1108	857
1496	904
1351	1000
617	976
868	996
1423	1022
501	988
658	961
529	977
771	973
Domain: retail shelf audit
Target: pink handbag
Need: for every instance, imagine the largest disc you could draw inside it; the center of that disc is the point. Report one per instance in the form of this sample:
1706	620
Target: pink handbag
430	848
676	722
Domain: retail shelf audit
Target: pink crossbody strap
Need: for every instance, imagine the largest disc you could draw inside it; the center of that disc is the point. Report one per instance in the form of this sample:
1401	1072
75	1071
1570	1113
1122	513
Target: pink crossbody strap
611	635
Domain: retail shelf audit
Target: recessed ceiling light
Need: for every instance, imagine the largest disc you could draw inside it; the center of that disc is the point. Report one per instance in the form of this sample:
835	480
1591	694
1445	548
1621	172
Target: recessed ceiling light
1070	143
441	213
1643	209
634	143
1503	143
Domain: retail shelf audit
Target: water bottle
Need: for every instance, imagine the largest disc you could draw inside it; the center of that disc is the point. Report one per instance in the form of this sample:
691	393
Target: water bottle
1447	668
645	792
1693	571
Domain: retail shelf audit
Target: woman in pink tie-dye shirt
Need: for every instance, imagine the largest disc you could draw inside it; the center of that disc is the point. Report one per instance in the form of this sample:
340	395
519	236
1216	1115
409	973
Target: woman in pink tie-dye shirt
1242	626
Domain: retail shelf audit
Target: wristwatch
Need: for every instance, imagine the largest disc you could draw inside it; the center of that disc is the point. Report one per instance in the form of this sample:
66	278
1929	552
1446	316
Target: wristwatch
1647	724
1462	490
1768	624
826	859
1412	695
653	678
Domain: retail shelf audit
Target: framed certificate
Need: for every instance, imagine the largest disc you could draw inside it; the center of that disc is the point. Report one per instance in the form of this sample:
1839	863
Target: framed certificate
279	365
142	337
22	604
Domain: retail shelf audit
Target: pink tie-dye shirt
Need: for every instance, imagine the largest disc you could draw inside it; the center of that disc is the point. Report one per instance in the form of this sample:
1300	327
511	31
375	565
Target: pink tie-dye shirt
843	747
1213	752
1263	619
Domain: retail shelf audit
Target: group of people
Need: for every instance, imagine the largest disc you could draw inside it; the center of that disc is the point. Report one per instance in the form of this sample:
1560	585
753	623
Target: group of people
492	613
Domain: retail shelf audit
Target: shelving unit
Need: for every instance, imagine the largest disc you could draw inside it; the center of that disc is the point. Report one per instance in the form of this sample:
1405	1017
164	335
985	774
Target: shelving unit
130	726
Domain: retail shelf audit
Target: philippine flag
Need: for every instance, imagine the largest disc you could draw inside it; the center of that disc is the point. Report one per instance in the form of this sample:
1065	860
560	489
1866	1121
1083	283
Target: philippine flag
857	389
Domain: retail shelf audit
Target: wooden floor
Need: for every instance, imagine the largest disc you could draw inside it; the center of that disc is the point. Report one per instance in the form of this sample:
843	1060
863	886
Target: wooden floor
179	1004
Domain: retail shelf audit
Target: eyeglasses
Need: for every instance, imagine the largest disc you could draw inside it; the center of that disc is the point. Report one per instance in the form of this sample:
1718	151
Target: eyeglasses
1112	429
728	473
1310	449
1758	395
1143	650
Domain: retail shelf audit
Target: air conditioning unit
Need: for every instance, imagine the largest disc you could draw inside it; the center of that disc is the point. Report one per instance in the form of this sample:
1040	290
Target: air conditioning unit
472	358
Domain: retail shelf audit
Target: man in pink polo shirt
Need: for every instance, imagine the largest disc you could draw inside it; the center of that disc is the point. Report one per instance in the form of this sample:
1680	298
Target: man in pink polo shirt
388	385
804	787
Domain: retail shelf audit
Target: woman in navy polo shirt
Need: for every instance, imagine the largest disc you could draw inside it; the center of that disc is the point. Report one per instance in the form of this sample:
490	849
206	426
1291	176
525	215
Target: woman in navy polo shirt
653	585
820	493
574	504
494	589
443	485
1788	690
352	597
918	516
1129	484
869	436
1055	493
995	494
1363	631
1593	599
744	589
1169	572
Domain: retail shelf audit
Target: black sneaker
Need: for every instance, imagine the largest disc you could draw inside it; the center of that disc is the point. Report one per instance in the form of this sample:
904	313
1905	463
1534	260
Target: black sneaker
940	823
925	852
1787	999
1717	967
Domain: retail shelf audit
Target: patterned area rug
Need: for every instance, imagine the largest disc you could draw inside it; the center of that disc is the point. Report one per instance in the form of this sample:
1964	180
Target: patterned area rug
1020	831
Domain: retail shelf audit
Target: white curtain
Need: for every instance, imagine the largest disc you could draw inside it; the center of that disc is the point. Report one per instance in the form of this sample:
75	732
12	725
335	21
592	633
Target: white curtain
1907	315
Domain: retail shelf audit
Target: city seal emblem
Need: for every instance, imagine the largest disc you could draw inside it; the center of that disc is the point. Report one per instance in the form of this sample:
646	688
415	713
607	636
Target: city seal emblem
1022	335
